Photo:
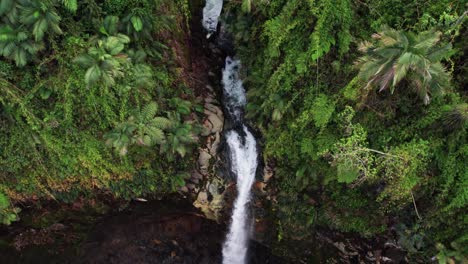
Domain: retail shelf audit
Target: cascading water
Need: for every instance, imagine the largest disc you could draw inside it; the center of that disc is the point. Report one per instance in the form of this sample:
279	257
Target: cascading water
242	147
243	155
211	13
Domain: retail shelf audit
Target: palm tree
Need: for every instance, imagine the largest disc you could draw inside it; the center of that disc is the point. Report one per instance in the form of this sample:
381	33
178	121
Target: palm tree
397	55
16	44
141	74
40	16
149	127
456	118
178	137
105	60
142	128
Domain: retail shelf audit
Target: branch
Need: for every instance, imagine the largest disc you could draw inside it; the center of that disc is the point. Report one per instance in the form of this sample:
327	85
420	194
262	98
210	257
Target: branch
415	208
380	152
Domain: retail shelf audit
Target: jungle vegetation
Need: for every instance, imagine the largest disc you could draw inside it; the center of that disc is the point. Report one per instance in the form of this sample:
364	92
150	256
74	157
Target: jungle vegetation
363	109
91	100
362	106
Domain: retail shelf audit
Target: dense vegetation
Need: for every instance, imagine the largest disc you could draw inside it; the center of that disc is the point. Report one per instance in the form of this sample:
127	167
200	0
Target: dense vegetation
363	108
91	100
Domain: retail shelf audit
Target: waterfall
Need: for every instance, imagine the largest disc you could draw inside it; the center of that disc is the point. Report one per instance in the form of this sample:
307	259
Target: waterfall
234	93
242	147
211	13
243	155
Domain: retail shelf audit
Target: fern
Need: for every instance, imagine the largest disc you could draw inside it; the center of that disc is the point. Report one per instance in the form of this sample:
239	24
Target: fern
322	110
148	112
161	123
333	15
71	5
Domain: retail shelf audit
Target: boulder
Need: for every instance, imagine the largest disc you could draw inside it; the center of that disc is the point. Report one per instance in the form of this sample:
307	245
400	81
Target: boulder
212	207
215	144
216	121
204	161
196	175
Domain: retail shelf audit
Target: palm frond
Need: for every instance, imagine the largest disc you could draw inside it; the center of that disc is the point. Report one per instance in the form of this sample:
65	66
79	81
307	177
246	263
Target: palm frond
396	55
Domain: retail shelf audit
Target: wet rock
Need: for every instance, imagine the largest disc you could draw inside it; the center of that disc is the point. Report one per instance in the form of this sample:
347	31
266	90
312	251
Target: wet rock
204	161
215	144
215	120
211	200
207	127
196	175
214	109
203	197
195	181
184	189
260	187
394	253
209	99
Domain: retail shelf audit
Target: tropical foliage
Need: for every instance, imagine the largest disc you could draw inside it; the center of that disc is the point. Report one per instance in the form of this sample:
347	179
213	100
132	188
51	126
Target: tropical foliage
81	80
363	111
401	56
362	106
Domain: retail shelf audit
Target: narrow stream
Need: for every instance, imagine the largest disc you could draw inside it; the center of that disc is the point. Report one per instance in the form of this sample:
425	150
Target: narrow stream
242	145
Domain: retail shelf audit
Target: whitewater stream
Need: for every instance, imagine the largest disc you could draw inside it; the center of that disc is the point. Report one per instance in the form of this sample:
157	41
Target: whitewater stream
211	14
243	156
242	147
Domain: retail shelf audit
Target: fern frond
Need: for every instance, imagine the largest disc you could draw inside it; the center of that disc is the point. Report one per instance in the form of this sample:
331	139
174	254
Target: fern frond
161	123
149	111
71	5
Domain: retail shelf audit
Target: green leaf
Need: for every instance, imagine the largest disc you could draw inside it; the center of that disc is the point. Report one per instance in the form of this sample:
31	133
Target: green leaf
20	57
247	6
71	5
45	93
322	110
6	5
181	150
4	203
347	172
110	25
39	28
84	60
92	75
113	45
137	23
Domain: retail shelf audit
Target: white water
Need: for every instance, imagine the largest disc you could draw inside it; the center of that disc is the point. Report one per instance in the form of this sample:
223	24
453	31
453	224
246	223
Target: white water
211	13
242	147
234	92
243	155
244	165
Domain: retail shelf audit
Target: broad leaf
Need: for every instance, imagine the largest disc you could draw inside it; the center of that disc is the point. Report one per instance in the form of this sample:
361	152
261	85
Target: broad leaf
137	23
